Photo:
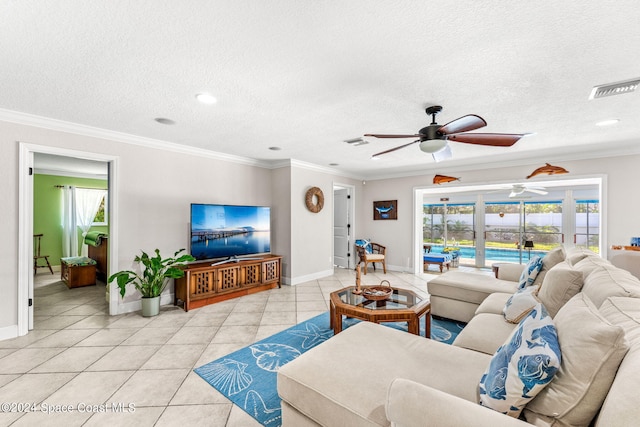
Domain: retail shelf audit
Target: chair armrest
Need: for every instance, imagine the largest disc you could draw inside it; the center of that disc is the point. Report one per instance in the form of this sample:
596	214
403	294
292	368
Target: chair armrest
511	272
378	248
410	404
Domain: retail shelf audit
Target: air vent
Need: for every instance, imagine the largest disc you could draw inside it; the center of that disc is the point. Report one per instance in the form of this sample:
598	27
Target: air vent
356	141
614	89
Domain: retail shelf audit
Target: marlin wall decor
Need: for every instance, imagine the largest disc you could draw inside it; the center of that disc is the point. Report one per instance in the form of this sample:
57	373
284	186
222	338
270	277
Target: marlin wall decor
387	209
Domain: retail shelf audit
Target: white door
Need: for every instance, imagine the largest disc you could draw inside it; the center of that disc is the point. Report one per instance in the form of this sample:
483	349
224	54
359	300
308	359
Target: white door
341	227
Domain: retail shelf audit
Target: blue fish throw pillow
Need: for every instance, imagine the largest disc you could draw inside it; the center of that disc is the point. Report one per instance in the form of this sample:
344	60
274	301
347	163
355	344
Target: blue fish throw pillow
365	244
523	365
530	272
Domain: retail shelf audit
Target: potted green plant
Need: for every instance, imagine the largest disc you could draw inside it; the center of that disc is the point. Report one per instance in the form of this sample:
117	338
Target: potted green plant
153	279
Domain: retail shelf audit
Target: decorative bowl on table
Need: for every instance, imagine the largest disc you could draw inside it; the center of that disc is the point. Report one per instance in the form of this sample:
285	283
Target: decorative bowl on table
378	293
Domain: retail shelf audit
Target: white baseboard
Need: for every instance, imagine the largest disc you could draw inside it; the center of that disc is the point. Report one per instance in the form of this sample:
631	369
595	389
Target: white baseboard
8	332
302	279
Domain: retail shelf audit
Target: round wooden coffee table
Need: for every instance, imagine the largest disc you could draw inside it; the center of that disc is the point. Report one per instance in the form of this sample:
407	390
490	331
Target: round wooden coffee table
402	305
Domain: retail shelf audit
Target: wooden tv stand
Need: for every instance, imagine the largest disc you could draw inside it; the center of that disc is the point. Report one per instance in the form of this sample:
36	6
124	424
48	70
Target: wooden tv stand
204	283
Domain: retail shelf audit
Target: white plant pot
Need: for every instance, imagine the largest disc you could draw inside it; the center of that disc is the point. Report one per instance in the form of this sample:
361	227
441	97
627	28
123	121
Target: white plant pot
150	306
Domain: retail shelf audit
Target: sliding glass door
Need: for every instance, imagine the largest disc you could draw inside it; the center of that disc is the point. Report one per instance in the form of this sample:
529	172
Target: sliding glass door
587	233
515	231
450	226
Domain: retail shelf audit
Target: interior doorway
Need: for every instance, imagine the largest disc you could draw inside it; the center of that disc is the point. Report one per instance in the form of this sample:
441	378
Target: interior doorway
26	278
343	226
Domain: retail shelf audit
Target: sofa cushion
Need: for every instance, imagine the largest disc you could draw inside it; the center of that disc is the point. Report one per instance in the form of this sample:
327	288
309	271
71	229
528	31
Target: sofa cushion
576	254
468	286
344	380
592	349
494	303
531	270
484	333
588	264
520	304
523	366
553	257
608	281
560	284
620	408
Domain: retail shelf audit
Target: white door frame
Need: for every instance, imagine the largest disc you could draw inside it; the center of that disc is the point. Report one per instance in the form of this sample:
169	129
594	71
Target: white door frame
25	223
352	220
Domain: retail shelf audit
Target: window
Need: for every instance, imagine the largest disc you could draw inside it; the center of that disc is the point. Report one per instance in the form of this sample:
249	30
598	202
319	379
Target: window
588	224
101	218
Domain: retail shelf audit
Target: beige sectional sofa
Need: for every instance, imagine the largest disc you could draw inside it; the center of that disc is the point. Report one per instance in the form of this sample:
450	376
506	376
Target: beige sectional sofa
373	375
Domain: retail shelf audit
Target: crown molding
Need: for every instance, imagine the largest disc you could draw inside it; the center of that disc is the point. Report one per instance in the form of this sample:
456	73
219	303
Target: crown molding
284	163
94	132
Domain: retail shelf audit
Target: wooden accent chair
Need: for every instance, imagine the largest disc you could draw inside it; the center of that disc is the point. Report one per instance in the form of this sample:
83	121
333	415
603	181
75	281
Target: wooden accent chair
37	256
377	254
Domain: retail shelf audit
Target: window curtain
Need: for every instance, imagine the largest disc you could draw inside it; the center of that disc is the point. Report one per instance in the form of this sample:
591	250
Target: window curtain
87	204
69	224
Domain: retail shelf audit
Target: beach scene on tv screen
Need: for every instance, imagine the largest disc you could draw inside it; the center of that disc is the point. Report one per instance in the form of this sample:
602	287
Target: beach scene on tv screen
219	231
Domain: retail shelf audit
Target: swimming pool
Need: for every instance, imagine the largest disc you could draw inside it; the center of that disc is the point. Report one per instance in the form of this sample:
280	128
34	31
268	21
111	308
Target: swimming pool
493	254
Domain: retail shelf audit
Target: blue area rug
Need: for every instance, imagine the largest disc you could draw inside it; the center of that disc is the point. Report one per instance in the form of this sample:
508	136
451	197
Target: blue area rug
247	376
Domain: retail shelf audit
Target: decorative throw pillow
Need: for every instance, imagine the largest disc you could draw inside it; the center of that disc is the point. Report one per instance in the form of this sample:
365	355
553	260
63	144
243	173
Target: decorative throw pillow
366	244
520	304
560	284
530	272
523	365
592	349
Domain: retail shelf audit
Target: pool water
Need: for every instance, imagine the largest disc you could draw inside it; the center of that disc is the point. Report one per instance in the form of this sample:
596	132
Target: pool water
493	254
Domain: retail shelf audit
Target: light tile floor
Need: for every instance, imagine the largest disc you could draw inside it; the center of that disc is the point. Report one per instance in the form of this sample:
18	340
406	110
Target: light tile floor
79	357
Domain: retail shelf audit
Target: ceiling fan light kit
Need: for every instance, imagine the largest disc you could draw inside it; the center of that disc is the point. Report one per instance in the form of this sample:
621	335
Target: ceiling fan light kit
433	138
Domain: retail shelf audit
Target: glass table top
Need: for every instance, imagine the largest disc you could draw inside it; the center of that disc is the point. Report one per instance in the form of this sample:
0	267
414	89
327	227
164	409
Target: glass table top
400	299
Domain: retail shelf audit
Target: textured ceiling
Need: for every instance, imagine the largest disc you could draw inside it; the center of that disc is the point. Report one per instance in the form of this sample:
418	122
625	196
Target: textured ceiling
305	75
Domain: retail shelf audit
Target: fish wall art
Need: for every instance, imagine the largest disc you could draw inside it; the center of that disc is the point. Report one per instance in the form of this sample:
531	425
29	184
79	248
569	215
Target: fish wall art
440	179
387	209
549	170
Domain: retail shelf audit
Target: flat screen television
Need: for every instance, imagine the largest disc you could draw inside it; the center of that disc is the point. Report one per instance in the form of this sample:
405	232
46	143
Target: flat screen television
229	231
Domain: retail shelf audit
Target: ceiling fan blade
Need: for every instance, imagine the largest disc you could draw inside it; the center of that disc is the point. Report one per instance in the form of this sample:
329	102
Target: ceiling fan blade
463	124
491	139
395	148
377	135
535	190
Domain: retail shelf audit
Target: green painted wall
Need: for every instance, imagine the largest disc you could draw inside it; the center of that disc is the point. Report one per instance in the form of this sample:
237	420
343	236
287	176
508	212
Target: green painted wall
47	211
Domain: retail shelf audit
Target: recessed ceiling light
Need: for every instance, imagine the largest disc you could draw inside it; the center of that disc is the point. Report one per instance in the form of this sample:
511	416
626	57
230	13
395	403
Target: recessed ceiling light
609	122
275	148
334	164
206	98
164	121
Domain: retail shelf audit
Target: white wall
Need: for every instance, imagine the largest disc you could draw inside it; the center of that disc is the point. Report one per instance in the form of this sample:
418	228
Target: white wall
155	190
281	218
312	233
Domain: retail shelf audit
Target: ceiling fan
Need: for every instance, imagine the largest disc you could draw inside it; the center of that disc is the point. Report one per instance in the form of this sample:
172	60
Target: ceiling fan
518	190
433	138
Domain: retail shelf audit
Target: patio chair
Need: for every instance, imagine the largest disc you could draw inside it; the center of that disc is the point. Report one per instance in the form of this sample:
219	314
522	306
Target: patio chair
370	253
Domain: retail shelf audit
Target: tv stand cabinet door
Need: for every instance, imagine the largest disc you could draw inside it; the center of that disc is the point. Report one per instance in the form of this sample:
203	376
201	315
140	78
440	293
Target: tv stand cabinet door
271	270
201	284
251	274
227	278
